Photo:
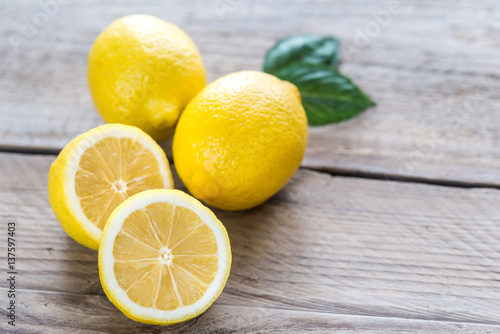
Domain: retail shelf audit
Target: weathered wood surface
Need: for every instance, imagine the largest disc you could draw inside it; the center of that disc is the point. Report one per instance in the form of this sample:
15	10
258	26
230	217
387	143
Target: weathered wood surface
49	313
433	70
326	252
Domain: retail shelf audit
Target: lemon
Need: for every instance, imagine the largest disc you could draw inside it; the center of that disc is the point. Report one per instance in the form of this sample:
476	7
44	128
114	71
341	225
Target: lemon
142	71
164	257
240	140
97	171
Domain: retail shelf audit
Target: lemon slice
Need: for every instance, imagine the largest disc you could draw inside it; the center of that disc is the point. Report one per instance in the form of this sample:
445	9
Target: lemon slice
97	171
164	257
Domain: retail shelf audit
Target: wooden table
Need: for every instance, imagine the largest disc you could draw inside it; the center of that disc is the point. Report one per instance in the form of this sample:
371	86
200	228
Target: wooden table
391	225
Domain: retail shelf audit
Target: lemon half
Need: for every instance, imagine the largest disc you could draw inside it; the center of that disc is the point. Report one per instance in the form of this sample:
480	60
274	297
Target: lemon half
97	171
164	257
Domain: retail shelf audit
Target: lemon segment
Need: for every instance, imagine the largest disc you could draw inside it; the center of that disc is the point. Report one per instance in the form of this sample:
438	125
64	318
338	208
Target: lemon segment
99	170
164	257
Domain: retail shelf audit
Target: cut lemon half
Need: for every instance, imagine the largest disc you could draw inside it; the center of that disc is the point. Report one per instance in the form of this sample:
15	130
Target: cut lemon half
164	257
97	171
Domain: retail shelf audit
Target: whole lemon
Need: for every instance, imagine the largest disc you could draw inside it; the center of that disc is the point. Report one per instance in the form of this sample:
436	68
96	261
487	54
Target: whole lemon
240	140
142	71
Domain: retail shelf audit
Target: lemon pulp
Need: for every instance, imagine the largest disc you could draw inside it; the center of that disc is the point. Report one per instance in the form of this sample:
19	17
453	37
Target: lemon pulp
165	256
109	172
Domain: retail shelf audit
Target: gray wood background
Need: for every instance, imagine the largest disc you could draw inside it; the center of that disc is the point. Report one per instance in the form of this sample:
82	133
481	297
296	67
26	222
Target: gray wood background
392	224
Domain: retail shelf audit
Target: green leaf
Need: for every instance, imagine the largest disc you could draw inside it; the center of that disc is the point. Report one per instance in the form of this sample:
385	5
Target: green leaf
327	95
310	62
307	49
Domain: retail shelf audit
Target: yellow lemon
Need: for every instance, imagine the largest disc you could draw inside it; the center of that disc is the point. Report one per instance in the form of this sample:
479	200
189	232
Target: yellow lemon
142	71
164	257
240	140
97	171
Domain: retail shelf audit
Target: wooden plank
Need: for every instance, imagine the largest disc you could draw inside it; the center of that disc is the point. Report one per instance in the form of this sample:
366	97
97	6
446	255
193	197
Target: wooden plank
433	69
324	244
42	312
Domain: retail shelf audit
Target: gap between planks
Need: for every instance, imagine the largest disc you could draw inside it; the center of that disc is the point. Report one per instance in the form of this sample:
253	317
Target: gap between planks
327	170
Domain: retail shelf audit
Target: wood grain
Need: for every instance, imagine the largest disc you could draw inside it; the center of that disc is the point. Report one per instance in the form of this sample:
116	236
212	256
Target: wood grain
433	70
324	247
48	313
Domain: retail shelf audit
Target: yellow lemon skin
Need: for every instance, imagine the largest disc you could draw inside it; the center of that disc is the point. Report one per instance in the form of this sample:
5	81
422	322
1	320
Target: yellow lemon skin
240	140
59	199
142	71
